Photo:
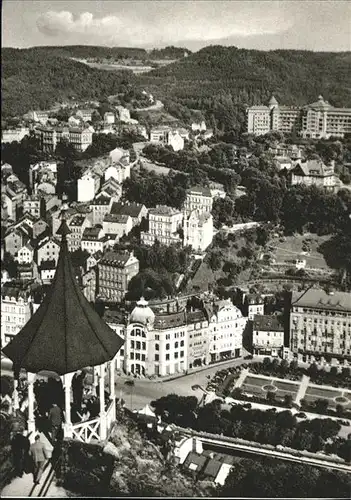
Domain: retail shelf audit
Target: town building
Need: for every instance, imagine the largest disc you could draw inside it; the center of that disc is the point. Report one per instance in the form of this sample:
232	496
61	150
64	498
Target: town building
136	211
109	118
85	114
117	224
47	271
320	326
15	239
315	173
198	126
99	208
31	205
93	240
89	283
111	189
87	187
12	135
254	304
123	114
13	194
41	174
164	225
197	339
115	270
25	254
80	138
175	140
198	198
16	309
48	249
77	226
268	335
198	230
227	325
39	116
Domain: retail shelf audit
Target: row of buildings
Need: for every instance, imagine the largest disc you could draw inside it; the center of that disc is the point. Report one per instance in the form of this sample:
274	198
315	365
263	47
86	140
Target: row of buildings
316	121
172	336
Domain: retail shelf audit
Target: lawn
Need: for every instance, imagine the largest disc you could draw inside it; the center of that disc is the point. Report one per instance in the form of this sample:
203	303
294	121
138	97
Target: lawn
313	393
285	250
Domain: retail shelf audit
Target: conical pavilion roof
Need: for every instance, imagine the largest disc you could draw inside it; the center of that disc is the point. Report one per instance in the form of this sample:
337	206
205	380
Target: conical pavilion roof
66	333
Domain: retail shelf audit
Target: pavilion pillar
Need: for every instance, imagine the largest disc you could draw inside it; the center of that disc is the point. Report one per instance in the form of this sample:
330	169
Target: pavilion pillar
31	419
112	380
103	427
67	426
15	400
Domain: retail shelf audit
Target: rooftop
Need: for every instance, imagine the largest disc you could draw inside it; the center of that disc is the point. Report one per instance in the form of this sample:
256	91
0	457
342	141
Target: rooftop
119	218
320	299
163	210
200	190
115	259
132	209
268	323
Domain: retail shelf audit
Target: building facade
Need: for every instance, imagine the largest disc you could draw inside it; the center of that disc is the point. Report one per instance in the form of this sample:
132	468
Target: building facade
164	223
198	230
198	198
320	326
115	270
268	335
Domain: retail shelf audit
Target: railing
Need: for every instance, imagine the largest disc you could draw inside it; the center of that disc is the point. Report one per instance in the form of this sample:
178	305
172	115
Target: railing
110	416
86	431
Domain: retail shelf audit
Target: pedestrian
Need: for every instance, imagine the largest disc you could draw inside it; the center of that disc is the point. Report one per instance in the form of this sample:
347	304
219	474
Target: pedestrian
39	456
77	388
55	420
20	447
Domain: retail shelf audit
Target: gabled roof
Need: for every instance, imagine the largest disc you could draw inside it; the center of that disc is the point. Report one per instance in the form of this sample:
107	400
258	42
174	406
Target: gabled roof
319	299
115	259
132	209
265	323
66	333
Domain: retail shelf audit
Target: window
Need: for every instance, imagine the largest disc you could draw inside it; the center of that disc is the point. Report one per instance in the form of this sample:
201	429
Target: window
132	344
176	345
182	343
157	347
132	355
182	354
175	355
167	357
138	345
167	347
157	357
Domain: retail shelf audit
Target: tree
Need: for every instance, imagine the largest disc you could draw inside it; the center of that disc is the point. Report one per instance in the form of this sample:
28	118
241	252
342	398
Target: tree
321	406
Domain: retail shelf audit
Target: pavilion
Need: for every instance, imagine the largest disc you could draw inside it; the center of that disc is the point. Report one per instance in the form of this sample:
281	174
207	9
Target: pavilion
65	335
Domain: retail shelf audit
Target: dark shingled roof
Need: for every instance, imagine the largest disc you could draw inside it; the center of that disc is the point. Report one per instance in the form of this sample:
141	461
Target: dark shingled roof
65	334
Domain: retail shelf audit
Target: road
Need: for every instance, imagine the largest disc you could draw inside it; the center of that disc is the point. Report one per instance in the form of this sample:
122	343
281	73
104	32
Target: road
154	107
145	391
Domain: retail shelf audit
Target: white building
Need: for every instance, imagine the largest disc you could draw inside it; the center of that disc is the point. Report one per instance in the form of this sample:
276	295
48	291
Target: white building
268	335
86	187
198	230
99	207
16	309
226	328
123	114
25	254
200	126
175	140
255	305
164	222
109	118
11	135
77	226
198	198
93	240
47	249
119	172
117	224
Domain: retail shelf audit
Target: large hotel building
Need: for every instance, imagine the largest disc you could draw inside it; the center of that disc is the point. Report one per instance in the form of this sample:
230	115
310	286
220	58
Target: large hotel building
317	120
320	325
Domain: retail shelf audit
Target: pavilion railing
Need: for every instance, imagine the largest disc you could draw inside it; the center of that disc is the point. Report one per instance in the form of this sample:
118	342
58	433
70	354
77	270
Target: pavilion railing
87	431
110	416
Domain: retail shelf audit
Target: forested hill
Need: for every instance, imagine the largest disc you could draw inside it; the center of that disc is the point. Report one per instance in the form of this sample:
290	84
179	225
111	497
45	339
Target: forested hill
91	51
34	79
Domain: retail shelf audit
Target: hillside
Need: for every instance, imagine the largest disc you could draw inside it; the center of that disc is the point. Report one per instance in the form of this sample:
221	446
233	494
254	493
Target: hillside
35	79
219	80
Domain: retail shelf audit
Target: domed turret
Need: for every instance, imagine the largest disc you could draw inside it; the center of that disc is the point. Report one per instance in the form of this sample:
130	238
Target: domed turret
142	313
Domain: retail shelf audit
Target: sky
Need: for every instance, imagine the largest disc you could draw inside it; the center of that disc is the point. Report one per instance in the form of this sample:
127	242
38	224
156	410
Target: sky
295	24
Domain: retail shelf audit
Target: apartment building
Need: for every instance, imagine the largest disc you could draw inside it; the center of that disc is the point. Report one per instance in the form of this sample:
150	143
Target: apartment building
77	226
40	226
198	198
13	194
39	116
99	208
16	309
44	172
115	270
87	187
268	335
85	114
198	230
15	239
227	326
320	326
164	224
316	120
197	339
80	138
254	304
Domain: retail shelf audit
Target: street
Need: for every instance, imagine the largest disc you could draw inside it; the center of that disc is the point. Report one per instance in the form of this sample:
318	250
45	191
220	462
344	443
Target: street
144	391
